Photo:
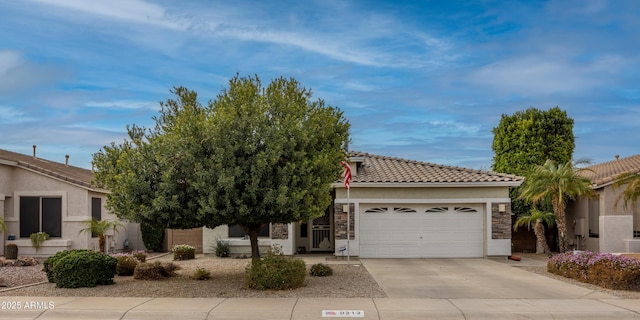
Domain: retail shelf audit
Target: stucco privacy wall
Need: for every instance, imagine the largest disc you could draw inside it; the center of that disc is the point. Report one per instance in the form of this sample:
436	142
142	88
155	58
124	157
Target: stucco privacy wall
497	225
614	230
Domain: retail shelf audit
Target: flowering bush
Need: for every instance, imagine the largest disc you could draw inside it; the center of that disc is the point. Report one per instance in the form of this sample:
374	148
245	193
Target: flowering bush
602	269
127	262
140	255
184	252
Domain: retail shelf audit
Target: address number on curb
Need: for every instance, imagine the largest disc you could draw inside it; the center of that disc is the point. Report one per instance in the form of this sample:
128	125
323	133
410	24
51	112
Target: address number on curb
343	313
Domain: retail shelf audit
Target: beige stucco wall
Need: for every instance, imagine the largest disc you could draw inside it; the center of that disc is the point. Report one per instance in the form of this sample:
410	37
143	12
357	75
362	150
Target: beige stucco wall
76	204
579	209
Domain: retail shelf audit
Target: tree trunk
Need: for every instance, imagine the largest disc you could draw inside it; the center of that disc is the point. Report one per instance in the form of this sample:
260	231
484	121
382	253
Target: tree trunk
541	240
102	242
252	231
558	209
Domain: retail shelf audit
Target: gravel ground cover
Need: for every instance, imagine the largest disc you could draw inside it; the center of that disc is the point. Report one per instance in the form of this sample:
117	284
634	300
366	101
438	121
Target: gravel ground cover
541	269
227	281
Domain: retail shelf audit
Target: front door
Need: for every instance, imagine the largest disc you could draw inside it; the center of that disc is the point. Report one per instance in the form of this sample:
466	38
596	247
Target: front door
321	235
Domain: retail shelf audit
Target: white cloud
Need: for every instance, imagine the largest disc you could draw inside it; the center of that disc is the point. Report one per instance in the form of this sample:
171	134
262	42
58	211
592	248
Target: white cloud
534	75
16	73
128	10
12	115
123	104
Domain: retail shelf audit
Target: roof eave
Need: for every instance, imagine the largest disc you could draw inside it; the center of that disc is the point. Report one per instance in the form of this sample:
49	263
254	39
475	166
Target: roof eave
429	184
62	178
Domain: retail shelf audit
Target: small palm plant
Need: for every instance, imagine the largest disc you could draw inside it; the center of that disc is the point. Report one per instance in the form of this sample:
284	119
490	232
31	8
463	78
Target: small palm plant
99	228
559	183
536	217
631	193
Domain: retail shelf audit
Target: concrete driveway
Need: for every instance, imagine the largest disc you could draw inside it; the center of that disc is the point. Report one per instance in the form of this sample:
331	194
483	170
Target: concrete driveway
468	279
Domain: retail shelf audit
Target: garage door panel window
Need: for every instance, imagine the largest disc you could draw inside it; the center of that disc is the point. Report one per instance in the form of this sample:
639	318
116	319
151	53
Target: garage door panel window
377	210
437	210
465	210
404	210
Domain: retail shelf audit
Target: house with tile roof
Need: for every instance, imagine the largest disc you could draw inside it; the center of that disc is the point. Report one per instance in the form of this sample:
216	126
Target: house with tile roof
602	223
40	195
400	208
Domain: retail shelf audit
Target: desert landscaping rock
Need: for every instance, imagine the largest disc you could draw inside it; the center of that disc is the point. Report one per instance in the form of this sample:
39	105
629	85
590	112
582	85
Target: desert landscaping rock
227	281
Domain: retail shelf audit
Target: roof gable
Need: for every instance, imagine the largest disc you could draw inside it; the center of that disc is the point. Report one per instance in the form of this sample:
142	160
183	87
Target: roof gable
71	174
381	169
605	173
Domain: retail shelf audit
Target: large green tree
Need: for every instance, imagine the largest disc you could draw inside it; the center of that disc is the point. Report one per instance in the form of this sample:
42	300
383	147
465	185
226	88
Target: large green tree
254	155
558	183
528	138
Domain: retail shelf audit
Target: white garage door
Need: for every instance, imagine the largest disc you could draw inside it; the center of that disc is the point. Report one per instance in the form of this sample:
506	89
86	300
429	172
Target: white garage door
425	231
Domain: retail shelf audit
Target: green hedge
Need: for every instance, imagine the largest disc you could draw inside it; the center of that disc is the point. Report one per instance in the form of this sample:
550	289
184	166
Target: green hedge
80	268
152	237
275	271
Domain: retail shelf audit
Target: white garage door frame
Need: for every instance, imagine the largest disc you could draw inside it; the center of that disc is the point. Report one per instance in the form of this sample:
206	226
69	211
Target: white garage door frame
492	247
422	231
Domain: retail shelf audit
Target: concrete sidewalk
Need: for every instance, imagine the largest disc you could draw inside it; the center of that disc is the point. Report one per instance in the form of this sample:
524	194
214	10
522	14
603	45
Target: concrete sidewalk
313	308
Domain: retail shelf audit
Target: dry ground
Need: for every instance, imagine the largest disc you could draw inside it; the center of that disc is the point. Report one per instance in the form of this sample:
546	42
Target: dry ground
227	281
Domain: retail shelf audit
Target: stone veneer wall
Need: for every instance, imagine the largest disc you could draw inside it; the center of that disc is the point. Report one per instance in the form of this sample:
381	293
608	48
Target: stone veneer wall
340	218
500	221
279	231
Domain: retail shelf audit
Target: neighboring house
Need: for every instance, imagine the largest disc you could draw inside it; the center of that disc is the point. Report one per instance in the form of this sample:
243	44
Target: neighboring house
400	209
601	223
41	195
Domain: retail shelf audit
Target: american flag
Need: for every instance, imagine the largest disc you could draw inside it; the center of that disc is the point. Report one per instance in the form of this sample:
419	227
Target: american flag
346	174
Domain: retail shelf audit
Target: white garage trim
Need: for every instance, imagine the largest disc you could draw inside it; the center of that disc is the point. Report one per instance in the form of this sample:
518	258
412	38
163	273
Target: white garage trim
412	230
422	201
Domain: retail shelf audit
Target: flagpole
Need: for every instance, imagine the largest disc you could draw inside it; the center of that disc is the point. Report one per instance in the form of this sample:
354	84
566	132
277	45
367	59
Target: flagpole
347	181
348	227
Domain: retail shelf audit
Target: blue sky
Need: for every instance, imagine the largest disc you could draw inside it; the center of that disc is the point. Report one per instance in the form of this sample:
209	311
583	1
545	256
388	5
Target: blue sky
422	80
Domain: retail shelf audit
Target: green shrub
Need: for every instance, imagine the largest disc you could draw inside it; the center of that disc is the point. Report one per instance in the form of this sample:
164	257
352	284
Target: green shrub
152	236
47	265
223	249
84	268
184	252
602	269
154	270
126	265
275	271
321	270
201	274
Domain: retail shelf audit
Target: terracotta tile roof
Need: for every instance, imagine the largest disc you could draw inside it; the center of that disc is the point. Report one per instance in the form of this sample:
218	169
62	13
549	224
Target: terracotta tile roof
606	172
381	169
75	175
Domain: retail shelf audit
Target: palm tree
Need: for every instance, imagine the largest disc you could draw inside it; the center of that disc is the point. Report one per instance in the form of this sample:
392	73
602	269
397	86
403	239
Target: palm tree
536	217
632	191
99	228
559	183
